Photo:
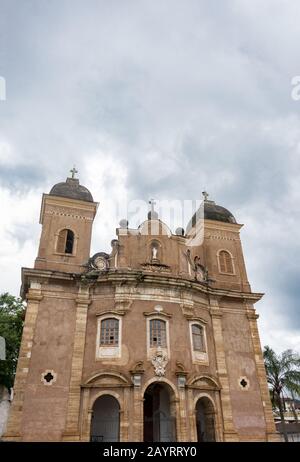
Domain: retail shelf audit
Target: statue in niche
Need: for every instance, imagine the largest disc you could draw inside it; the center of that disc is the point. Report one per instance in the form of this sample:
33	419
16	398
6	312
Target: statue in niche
154	253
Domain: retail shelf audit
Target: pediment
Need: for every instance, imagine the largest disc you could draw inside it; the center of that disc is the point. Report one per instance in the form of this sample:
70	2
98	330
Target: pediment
103	379
204	382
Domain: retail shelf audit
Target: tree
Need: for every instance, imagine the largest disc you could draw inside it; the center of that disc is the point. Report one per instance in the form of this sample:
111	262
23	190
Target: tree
283	376
12	313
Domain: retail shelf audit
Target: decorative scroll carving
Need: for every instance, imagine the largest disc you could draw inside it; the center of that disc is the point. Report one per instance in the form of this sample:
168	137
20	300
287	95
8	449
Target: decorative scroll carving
160	361
180	369
98	262
188	310
123	305
157	267
138	368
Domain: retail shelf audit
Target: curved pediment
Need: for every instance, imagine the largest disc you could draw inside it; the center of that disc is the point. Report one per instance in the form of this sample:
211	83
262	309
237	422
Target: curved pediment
106	378
205	382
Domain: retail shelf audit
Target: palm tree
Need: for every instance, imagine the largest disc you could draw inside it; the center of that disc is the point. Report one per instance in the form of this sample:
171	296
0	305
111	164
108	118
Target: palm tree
283	375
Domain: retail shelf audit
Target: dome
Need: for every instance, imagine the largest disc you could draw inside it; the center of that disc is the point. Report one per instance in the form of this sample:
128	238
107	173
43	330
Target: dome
212	211
152	215
72	189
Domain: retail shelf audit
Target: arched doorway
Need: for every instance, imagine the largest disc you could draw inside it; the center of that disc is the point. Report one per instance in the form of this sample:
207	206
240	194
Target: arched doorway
205	420
105	424
159	414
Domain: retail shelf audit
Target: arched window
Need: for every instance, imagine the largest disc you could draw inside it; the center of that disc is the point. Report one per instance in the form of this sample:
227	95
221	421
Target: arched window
158	335
198	338
109	332
65	242
225	262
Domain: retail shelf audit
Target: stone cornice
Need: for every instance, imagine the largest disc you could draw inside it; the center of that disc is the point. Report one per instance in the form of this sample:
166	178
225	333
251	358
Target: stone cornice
83	301
220	225
157	313
194	318
133	277
211	225
59	201
251	315
216	312
108	312
34	297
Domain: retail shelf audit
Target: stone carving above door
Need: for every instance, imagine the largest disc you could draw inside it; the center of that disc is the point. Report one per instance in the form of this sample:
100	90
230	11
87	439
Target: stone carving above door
160	361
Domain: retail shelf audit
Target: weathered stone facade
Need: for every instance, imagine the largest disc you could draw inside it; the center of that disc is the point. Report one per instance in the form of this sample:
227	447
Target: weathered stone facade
166	388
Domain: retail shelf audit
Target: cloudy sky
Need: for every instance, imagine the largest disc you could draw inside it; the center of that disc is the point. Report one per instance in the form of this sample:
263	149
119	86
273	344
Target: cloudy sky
157	99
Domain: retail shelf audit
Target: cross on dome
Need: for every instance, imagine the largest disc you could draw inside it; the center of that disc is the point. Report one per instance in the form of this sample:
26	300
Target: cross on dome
73	171
152	203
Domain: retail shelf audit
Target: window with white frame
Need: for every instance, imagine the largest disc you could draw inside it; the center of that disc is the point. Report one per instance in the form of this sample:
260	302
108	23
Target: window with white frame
158	336
109	332
109	337
198	337
198	342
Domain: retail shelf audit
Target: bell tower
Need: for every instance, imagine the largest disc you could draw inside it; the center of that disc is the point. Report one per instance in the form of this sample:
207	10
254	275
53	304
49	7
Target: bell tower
67	215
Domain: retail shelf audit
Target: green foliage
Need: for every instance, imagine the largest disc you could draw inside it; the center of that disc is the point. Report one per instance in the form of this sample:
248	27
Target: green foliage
283	372
12	313
283	376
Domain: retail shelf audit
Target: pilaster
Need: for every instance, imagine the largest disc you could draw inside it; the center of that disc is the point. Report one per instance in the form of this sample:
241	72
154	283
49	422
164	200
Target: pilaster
230	433
124	422
14	426
272	435
192	416
138	424
72	430
182	436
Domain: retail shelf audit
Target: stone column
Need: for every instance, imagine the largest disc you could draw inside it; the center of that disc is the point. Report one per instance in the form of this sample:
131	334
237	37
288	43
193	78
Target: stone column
72	431
230	433
261	376
14	426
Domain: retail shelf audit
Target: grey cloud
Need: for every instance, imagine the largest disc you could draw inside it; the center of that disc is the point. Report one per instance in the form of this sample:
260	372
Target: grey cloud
21	178
190	95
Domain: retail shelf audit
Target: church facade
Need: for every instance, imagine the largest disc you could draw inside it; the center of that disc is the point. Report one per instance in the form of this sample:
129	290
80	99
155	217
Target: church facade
156	341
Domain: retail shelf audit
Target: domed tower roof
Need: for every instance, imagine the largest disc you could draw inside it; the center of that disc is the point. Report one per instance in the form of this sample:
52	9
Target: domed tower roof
72	190
212	211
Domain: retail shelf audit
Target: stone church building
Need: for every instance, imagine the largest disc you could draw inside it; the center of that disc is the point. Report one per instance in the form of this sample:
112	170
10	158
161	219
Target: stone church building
156	341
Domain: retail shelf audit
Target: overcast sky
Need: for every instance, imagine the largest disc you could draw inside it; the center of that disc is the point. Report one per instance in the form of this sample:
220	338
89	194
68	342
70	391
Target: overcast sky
157	99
